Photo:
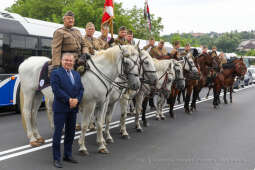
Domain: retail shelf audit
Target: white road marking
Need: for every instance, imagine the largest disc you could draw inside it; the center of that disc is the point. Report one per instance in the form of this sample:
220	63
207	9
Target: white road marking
9	153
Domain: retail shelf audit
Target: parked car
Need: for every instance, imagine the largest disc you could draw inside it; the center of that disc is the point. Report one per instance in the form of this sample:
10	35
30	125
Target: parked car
248	79
252	70
238	83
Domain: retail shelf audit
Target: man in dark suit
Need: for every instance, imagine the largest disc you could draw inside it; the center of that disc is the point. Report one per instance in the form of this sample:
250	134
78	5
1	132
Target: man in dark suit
68	91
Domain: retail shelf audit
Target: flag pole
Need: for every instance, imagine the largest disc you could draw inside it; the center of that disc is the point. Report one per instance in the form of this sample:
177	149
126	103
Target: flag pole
111	24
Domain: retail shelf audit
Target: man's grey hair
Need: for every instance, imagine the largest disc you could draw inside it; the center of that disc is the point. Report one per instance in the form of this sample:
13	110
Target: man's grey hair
67	54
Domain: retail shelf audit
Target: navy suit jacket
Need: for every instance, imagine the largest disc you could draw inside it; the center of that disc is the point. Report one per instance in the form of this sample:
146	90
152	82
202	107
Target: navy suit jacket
63	89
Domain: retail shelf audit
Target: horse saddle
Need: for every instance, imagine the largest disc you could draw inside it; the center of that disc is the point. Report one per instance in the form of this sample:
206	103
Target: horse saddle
228	65
44	79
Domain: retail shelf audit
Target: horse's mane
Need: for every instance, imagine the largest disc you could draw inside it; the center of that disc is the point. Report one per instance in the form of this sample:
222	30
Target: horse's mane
109	53
161	65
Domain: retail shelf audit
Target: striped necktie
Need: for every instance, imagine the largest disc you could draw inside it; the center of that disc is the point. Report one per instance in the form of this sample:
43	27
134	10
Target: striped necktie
69	73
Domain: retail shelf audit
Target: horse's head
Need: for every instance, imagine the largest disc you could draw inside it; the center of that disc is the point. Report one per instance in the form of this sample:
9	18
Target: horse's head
147	69
129	66
179	78
189	68
240	68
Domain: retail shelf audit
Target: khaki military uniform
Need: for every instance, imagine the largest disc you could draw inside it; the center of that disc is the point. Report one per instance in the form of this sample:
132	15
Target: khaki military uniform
103	44
120	41
223	60
148	47
131	43
175	54
184	53
157	53
66	40
92	44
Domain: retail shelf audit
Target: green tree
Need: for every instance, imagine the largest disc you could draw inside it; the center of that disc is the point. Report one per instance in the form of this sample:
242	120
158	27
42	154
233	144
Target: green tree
250	53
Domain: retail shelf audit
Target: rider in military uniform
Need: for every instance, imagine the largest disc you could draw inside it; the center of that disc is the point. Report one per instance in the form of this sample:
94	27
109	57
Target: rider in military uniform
159	52
175	52
130	37
102	40
66	39
150	45
186	50
223	60
91	42
121	39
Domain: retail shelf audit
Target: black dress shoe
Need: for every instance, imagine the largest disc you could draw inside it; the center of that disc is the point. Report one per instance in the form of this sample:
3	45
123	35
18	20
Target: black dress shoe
70	159
57	164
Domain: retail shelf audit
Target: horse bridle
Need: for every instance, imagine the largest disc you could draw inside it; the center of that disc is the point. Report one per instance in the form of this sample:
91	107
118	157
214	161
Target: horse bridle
143	70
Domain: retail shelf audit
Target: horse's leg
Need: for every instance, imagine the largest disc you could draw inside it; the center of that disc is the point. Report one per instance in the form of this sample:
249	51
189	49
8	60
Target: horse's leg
230	95
35	107
187	99
27	114
48	96
144	104
225	96
158	108
123	106
171	102
100	117
194	98
208	92
160	104
179	97
138	108
87	111
108	119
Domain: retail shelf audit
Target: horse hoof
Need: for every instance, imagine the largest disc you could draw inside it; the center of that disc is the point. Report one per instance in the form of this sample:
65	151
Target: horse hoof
125	136
84	152
103	151
34	144
157	118
163	118
145	124
139	130
109	140
78	128
172	116
40	140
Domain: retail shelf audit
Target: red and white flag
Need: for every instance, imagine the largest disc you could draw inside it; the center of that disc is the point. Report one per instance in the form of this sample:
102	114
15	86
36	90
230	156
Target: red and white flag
147	16
108	14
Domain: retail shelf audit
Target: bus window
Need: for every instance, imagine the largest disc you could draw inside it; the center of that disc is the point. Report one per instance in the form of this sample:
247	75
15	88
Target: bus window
18	41
46	44
31	42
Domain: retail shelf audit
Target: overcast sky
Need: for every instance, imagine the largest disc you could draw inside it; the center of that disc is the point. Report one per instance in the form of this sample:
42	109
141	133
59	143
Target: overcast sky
195	15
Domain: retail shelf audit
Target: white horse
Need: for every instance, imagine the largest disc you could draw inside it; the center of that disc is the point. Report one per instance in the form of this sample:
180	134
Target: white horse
110	64
148	76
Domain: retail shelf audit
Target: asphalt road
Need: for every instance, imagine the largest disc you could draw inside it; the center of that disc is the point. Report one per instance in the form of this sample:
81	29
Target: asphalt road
209	139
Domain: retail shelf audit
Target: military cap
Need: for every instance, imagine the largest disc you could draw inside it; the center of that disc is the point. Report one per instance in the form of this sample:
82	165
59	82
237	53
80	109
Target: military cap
130	32
161	41
122	28
151	38
69	13
89	24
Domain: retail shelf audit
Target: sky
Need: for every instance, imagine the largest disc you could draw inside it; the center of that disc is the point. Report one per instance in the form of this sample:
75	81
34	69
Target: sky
194	15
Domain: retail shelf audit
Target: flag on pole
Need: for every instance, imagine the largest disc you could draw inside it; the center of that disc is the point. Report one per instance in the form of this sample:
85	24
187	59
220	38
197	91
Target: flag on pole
108	14
147	16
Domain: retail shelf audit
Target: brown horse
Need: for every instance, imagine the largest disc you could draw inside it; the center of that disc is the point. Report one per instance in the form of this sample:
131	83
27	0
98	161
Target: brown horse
226	78
191	75
206	65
